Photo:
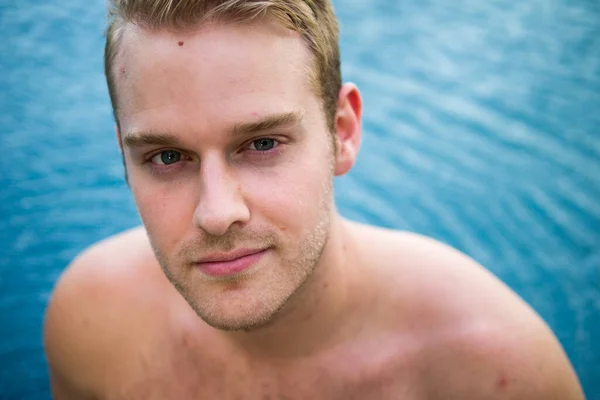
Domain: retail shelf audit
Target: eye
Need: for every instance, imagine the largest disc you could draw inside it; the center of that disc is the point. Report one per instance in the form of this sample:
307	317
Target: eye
166	157
264	144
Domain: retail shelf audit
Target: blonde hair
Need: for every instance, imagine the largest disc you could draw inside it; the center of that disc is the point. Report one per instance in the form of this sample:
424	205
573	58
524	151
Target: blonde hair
313	19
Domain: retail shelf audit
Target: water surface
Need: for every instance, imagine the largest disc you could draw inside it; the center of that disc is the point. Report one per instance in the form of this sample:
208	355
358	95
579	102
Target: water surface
481	129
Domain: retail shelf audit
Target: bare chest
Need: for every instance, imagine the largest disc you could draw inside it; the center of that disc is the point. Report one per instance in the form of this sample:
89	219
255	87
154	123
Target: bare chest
178	373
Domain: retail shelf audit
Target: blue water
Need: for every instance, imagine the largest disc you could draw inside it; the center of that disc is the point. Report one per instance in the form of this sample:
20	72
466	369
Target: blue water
481	129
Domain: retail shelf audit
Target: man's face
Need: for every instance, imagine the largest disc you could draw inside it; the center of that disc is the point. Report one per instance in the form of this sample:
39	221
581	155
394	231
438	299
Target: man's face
227	148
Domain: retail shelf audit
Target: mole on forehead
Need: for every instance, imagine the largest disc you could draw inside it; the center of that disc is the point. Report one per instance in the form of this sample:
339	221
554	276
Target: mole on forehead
134	35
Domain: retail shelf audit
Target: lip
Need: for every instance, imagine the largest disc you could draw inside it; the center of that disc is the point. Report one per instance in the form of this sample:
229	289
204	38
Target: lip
227	264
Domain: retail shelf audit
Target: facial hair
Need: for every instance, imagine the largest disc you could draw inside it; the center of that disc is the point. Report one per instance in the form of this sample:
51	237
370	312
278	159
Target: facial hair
270	303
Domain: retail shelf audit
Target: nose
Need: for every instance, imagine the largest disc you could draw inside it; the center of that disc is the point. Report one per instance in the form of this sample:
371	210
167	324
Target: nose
221	202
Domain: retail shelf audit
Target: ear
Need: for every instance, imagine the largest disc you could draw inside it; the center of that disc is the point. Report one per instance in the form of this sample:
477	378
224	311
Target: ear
347	127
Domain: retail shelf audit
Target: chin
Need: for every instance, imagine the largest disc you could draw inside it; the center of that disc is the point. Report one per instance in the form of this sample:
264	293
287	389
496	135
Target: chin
239	318
238	325
246	306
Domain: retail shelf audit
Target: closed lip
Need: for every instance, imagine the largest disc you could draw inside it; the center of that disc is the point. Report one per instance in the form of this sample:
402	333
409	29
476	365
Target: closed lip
230	256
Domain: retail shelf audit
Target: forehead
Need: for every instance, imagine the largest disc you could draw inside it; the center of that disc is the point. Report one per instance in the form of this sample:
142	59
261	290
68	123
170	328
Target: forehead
218	70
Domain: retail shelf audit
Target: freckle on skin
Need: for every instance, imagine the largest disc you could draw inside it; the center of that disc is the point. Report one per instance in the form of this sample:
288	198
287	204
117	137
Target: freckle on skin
502	382
180	43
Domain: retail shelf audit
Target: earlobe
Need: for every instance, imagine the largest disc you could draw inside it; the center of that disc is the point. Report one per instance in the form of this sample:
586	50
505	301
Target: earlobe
348	128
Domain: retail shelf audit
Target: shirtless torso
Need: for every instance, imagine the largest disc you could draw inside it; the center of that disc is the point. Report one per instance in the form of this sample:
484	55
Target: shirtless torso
441	327
232	129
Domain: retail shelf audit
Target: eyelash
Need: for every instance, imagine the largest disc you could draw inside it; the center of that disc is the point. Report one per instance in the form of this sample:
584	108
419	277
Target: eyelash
262	152
163	168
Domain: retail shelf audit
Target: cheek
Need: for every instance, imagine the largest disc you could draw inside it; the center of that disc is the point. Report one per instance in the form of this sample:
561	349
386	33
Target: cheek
290	198
167	213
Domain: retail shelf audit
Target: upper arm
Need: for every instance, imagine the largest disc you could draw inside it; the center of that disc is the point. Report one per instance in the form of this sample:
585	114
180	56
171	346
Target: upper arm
546	367
488	343
101	309
520	361
64	389
74	339
529	363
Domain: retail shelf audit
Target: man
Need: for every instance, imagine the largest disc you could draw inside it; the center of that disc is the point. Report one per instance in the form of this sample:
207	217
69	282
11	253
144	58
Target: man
244	282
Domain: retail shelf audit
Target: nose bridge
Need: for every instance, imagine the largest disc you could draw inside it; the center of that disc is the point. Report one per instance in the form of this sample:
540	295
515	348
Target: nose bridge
214	175
221	202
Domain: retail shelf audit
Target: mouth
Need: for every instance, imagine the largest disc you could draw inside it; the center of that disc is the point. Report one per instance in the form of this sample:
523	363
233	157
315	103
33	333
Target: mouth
219	265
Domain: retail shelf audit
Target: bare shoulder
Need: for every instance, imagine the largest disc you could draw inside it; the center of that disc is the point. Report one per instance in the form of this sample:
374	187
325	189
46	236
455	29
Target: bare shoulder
96	310
478	338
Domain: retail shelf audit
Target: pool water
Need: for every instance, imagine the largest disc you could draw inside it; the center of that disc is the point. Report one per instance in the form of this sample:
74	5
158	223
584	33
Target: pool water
482	129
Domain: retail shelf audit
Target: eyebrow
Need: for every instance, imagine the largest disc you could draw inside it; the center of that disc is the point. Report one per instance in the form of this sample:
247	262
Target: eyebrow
140	139
269	122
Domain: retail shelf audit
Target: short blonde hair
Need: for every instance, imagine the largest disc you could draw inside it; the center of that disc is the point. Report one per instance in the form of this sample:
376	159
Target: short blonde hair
313	19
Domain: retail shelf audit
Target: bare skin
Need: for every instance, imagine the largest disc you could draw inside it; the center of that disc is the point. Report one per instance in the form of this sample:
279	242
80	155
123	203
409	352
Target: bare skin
331	310
430	324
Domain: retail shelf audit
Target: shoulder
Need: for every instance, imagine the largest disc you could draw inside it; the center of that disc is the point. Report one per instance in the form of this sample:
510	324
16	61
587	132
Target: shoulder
498	360
478	338
95	307
104	273
431	280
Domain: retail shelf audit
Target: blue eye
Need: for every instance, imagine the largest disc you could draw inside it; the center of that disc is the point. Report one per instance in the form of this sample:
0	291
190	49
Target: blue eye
263	144
167	157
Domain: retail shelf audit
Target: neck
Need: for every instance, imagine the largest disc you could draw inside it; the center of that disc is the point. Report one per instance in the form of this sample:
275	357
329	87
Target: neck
320	312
